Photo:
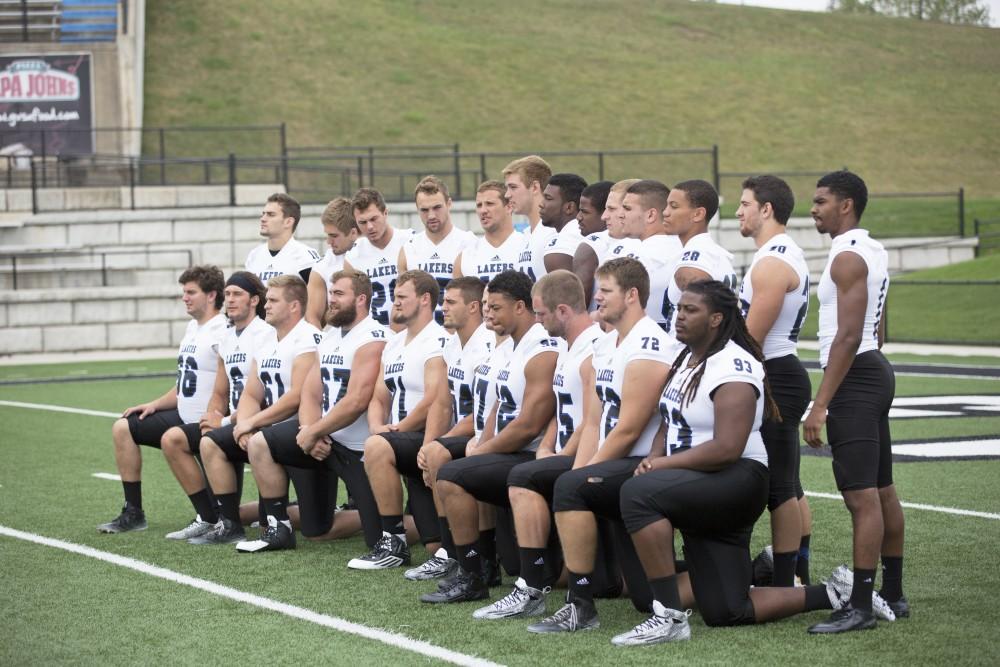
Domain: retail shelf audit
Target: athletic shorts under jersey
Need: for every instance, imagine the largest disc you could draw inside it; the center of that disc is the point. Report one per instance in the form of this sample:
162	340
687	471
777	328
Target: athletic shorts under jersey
403	367
783	337
274	365
704	254
437	259
197	365
659	254
531	259
567	383
336	358
381	266
485	388
690	424
462	364
511	382
293	258
486	261
238	350
646	341
877	284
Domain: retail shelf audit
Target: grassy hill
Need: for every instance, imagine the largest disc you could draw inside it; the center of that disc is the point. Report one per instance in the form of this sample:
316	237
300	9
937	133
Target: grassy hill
910	105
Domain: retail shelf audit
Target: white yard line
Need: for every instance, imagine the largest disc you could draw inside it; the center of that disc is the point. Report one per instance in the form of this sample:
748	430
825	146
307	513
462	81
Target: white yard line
59	408
918	506
390	638
107	475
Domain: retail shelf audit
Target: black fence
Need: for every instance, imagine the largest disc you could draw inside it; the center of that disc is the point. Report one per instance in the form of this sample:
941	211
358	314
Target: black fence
988	233
62	21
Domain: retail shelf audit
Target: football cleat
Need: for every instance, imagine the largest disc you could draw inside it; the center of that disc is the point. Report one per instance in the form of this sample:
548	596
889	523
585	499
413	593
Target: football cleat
846	619
196	528
464	587
901	607
665	625
763	567
389	551
491	573
522	602
842	579
130	519
573	616
437	566
276	536
224	532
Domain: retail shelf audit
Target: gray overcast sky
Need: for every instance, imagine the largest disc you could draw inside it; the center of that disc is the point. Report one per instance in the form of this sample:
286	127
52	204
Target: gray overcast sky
821	5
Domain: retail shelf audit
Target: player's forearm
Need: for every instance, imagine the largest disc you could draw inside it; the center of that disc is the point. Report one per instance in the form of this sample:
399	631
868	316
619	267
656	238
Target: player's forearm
416	419
708	456
283	408
514	437
465	428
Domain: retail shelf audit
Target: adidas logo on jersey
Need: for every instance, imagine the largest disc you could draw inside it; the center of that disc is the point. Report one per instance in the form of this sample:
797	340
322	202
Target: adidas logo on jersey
435	256
496	258
383	261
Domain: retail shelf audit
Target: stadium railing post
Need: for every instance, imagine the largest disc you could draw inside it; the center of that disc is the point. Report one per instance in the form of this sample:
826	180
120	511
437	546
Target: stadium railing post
458	172
961	212
715	166
232	179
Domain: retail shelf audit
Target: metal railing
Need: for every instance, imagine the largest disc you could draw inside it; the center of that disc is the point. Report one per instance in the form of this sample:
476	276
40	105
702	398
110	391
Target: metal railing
61	21
988	233
91	253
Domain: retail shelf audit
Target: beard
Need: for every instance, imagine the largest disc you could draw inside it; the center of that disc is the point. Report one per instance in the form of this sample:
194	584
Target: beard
341	316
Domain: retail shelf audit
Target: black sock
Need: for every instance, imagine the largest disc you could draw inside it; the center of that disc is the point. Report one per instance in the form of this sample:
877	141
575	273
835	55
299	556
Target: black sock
202	503
802	565
665	592
784	568
393	524
276	507
469	558
488	544
816	598
133	494
892	578
229	506
864	585
579	587
533	566
447	541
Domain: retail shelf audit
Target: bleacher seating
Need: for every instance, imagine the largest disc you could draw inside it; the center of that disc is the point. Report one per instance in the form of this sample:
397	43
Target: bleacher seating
65	21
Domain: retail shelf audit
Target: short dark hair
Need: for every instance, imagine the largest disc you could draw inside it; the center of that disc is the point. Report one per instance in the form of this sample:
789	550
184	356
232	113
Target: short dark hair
431	185
598	193
701	194
498	186
652	194
366	197
423	283
245	279
209	279
570	186
847	185
772	190
471	288
289	207
628	273
360	283
512	284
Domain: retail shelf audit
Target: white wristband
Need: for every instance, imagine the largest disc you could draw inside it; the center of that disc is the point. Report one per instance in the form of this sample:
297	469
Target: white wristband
227	420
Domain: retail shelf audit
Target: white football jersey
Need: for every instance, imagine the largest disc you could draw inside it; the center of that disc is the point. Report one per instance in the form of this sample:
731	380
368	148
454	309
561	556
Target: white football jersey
783	337
659	254
438	260
485	389
197	365
598	242
614	248
238	349
567	383
487	261
381	266
511	381
877	261
329	265
566	241
531	259
462	364
691	424
646	341
403	367
274	364
704	254
336	357
294	257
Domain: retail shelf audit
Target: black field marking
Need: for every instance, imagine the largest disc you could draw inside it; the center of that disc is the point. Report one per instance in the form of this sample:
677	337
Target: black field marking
950	370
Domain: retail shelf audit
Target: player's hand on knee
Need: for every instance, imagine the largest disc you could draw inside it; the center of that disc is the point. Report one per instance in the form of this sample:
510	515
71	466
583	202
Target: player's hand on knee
144	410
320	450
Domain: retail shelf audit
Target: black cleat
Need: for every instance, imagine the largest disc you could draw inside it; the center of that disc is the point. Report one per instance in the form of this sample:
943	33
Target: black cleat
763	567
224	532
491	573
573	616
901	608
130	519
844	620
276	536
464	587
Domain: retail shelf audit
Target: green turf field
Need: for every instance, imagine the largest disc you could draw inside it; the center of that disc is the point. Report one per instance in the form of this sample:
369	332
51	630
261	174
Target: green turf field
59	607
